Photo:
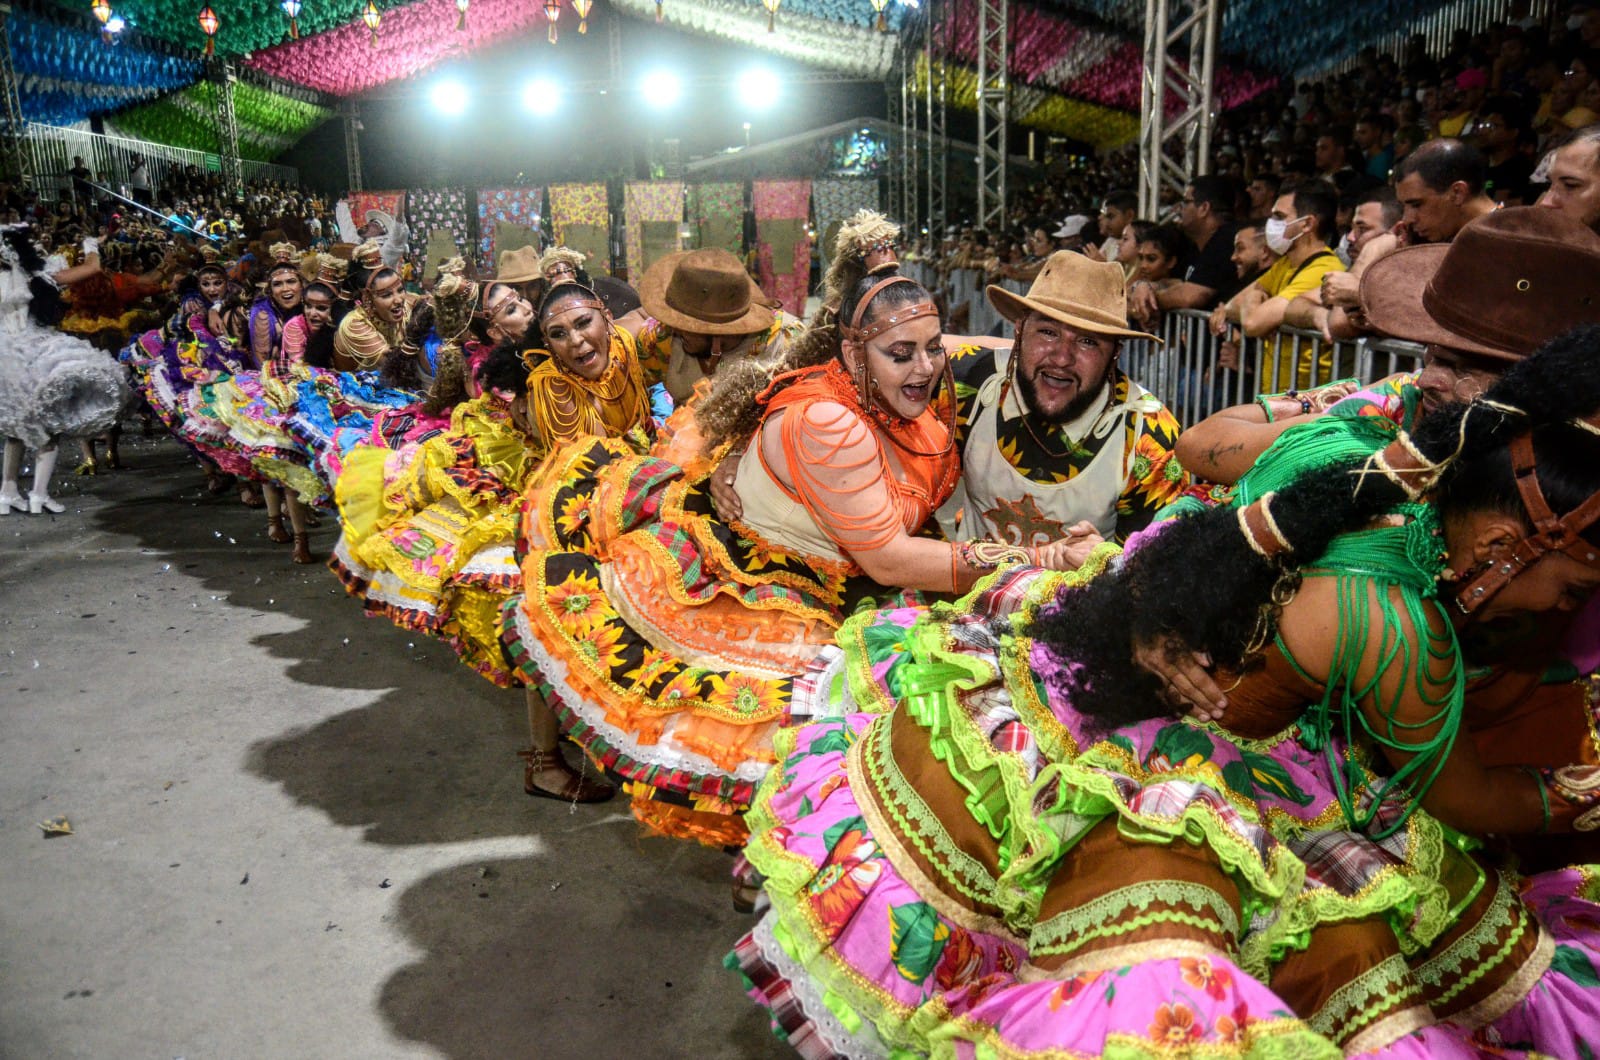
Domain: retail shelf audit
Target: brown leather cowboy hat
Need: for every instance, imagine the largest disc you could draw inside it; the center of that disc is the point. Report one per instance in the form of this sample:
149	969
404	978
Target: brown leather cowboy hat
518	266
1088	295
704	292
1508	283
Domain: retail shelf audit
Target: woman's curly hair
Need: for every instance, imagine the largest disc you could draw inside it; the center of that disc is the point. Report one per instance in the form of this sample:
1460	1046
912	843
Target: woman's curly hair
1197	585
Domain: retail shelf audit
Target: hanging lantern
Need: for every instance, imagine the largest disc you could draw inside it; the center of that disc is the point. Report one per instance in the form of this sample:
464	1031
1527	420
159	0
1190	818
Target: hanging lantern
552	11
461	22
772	13
292	9
209	24
102	11
878	6
373	18
583	7
658	10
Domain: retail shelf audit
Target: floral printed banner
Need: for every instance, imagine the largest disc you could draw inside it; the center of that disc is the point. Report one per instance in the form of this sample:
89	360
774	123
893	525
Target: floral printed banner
431	210
509	206
783	250
650	201
717	213
834	202
390	202
581	215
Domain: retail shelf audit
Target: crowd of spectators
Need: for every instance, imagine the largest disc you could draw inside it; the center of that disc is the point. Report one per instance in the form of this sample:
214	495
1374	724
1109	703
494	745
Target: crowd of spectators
1309	177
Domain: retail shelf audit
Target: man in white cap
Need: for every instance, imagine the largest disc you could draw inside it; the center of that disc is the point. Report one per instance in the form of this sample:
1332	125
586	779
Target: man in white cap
1055	438
1070	235
390	234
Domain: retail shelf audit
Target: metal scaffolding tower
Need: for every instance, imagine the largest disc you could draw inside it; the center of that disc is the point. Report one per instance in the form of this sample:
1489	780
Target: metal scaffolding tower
18	160
933	50
351	114
227	126
993	111
894	90
910	158
1180	45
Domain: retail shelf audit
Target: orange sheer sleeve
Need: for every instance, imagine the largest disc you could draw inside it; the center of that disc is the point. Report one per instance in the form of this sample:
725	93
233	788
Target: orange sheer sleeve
837	470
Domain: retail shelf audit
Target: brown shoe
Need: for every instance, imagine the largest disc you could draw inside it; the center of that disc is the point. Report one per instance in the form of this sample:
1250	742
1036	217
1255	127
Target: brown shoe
276	531
302	549
574	787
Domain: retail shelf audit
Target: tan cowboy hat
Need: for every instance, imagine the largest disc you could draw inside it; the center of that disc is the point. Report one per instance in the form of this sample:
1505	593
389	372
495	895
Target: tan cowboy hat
1084	294
1508	283
382	218
704	292
518	266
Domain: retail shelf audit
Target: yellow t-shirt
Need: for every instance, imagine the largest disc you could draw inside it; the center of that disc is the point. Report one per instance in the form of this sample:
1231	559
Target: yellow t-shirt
1289	365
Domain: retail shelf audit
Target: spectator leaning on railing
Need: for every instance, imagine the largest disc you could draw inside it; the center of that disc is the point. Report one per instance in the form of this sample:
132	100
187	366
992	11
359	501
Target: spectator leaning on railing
1575	178
1441	187
1298	230
1374	232
1207	277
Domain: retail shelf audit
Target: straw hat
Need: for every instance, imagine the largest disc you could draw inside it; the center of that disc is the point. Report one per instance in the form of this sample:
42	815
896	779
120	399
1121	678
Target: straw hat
518	266
704	292
1083	294
1508	283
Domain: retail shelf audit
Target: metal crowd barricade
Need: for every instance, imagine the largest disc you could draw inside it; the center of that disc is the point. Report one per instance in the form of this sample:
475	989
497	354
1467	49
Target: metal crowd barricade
53	147
1187	372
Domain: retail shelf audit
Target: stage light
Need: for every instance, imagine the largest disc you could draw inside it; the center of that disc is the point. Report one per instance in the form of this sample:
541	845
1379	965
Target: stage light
115	24
542	96
661	88
450	97
759	88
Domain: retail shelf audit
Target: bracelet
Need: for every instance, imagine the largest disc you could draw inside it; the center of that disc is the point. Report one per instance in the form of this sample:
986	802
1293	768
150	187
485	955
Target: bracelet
1544	796
1265	401
1305	402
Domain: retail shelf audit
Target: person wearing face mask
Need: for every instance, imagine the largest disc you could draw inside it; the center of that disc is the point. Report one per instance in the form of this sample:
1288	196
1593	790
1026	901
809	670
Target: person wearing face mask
667	634
1446	308
1298	231
703	310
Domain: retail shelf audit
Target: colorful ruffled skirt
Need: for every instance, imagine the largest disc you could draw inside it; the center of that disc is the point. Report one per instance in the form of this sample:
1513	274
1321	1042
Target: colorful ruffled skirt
668	643
429	531
966	869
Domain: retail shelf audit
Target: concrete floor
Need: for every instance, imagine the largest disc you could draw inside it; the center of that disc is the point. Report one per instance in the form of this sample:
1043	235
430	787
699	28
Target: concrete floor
300	832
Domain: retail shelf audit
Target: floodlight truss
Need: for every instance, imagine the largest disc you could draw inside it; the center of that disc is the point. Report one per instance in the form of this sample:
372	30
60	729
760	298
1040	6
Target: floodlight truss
1180	47
227	126
351	114
895	107
993	111
910	110
18	158
933	48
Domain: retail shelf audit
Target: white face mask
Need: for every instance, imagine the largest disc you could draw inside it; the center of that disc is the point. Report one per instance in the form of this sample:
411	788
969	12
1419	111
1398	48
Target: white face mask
1277	232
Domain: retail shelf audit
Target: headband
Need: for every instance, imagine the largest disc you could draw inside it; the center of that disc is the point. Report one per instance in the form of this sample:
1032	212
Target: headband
593	300
489	311
856	333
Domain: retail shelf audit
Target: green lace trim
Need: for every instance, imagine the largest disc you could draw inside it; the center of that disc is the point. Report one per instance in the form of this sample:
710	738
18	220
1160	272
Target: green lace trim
917	823
1383	988
1100	918
1504	913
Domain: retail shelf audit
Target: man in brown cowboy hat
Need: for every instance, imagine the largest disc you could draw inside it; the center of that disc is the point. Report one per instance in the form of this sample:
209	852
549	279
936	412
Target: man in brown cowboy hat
1462	299
705	311
1055	435
520	269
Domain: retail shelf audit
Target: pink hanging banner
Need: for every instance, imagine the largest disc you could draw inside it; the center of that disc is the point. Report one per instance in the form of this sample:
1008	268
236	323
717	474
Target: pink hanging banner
783	251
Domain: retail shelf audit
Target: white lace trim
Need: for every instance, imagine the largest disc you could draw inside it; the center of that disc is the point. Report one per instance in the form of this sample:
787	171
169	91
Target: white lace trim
865	1045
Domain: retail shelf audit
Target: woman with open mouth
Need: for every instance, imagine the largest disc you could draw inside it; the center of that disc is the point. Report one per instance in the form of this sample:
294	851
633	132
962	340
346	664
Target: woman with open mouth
670	638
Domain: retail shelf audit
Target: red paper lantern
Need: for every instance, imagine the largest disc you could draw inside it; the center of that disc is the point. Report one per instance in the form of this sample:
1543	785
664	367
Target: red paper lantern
209	24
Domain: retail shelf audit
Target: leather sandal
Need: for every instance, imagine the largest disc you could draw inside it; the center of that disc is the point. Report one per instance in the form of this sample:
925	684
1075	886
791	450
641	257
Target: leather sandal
302	549
575	788
250	496
276	531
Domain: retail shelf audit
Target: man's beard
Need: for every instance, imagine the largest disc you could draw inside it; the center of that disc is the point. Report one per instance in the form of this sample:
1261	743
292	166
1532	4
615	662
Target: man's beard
1068	412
